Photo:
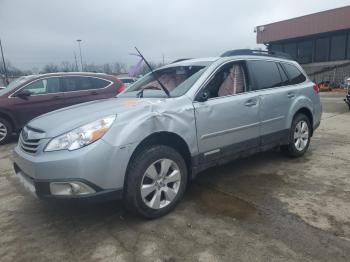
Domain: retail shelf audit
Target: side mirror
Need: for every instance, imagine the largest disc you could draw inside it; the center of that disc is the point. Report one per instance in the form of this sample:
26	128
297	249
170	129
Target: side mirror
203	96
24	94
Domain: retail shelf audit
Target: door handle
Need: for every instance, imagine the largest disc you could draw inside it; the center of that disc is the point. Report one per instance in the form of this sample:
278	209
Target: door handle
251	102
291	95
93	93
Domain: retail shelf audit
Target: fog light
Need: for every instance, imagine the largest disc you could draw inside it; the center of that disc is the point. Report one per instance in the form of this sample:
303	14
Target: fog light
70	188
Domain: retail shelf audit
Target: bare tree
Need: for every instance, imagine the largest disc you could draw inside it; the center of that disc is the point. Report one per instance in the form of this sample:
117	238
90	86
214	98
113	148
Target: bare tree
50	68
67	67
106	68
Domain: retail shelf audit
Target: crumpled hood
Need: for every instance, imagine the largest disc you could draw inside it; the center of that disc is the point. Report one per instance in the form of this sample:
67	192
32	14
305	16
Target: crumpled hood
63	120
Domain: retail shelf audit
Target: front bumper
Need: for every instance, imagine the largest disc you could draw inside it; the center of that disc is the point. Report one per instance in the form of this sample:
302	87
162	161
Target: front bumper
41	189
100	166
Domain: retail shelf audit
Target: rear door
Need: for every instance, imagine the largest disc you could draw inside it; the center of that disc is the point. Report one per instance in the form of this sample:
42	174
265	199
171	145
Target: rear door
276	97
45	96
80	89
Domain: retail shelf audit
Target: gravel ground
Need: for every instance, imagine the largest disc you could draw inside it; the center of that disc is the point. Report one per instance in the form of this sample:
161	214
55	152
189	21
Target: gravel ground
263	208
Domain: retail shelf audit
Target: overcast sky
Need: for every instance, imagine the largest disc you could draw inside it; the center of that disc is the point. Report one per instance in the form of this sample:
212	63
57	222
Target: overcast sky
37	32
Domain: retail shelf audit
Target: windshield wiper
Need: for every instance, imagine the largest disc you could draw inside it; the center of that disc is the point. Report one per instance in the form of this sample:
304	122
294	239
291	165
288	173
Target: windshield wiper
140	93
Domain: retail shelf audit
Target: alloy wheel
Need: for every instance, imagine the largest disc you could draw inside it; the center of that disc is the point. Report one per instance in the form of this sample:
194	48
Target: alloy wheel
301	135
3	131
160	183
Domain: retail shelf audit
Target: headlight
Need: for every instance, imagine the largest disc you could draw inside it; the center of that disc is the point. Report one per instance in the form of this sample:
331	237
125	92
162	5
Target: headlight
82	136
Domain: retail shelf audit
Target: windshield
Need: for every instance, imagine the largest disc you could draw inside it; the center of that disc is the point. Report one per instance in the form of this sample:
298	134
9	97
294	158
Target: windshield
14	84
177	80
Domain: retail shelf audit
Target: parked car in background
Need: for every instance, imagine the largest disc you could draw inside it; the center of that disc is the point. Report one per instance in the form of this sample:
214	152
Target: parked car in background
30	96
127	80
146	144
347	97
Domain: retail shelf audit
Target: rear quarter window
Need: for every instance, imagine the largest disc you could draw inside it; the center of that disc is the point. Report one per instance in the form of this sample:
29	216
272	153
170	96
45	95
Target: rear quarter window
98	83
294	74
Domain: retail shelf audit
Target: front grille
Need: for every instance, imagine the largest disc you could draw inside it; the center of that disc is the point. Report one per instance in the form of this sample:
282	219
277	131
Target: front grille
29	145
30	138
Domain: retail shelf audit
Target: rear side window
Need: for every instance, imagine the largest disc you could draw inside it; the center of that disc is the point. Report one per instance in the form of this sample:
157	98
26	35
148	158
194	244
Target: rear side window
266	74
76	83
70	84
294	74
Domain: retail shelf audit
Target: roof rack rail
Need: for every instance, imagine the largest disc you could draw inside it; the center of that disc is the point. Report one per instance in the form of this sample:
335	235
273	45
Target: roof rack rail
180	60
256	52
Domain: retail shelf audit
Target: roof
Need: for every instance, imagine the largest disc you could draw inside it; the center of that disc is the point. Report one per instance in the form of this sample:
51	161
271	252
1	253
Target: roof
196	61
317	23
60	74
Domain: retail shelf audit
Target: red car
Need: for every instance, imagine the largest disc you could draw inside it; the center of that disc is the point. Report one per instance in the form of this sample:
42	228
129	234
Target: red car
31	96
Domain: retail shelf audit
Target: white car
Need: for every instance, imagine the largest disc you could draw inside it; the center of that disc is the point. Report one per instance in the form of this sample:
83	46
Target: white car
127	80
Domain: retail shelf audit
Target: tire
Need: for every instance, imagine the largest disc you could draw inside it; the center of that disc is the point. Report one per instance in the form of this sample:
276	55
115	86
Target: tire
295	149
5	131
144	189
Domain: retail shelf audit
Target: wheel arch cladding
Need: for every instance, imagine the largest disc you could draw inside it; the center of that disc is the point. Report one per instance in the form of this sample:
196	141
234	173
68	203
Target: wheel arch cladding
306	111
8	119
165	138
302	105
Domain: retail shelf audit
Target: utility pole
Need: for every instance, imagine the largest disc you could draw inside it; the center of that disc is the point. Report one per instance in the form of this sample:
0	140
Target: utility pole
3	61
76	62
163	59
81	57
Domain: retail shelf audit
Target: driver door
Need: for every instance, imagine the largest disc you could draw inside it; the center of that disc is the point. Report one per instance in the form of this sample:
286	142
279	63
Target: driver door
227	122
45	96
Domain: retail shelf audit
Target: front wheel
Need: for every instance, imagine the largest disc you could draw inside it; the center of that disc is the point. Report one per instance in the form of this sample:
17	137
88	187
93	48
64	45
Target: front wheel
299	137
5	131
155	182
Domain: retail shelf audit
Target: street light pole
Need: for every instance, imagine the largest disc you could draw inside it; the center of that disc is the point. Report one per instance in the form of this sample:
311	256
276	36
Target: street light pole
81	58
76	62
3	61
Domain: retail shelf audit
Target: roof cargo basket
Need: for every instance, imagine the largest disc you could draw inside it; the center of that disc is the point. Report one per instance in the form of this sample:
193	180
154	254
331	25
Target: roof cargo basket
256	52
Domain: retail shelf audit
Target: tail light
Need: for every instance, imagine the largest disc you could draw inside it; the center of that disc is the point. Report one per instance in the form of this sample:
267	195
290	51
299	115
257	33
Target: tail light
316	89
121	88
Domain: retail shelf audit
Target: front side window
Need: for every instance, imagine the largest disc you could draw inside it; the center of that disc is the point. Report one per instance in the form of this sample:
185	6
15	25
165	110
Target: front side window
294	74
44	86
231	79
266	74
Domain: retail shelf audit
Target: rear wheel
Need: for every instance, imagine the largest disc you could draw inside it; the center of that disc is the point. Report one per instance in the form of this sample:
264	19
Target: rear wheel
156	181
299	138
5	131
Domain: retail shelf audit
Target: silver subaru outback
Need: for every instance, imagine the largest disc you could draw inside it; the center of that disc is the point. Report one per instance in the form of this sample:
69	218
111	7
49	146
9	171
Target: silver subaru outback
146	144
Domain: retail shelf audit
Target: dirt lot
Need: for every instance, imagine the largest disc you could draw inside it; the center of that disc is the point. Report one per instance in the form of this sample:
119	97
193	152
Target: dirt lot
263	208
